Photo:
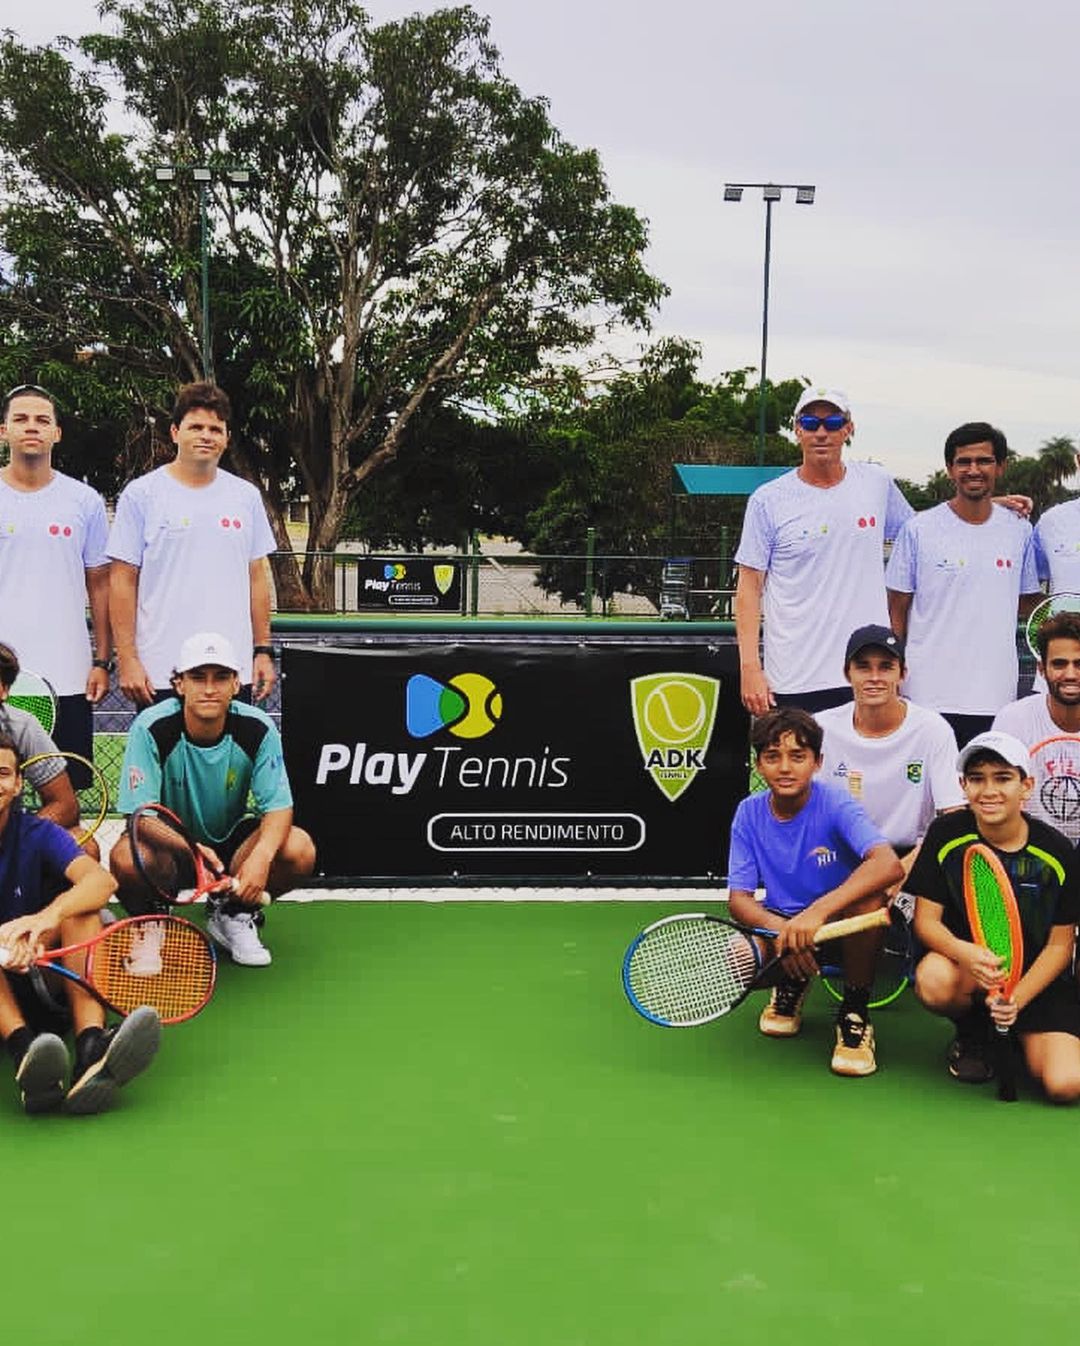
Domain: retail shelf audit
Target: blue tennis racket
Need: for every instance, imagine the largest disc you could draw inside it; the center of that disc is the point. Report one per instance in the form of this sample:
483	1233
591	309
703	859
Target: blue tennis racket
692	968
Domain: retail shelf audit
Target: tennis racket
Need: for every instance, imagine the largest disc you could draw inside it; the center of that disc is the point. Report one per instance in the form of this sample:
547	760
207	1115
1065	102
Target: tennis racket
30	691
1055	764
170	861
93	798
1049	607
693	968
161	961
994	919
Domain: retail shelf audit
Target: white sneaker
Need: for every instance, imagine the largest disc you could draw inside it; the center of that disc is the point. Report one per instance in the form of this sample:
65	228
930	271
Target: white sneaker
238	935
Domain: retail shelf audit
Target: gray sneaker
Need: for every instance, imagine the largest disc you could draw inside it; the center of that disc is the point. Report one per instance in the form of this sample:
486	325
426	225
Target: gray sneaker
42	1074
129	1049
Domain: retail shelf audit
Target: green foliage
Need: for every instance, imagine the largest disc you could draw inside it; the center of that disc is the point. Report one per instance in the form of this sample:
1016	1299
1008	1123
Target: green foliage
616	454
417	232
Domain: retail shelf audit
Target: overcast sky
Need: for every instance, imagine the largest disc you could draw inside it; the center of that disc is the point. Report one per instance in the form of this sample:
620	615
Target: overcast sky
936	278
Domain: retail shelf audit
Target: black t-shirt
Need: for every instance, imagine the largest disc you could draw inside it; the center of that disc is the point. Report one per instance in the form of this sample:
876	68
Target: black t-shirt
1045	875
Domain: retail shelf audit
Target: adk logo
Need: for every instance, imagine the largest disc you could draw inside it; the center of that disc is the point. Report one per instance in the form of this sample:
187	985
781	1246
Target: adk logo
674	714
468	705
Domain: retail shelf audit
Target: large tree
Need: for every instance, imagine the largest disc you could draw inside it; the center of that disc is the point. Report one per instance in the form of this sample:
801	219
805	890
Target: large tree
415	232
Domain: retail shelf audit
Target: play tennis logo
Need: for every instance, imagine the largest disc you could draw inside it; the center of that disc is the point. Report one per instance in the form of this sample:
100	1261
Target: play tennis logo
467	705
674	715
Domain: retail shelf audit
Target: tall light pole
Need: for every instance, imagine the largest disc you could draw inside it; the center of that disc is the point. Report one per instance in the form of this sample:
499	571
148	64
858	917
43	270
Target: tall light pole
771	192
203	175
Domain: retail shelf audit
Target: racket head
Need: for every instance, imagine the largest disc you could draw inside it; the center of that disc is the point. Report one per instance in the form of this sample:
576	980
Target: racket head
689	969
1049	607
1055	764
161	961
992	912
93	797
166	855
31	692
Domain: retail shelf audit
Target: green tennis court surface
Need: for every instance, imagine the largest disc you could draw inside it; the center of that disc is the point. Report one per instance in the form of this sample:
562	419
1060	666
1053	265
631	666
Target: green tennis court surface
430	1124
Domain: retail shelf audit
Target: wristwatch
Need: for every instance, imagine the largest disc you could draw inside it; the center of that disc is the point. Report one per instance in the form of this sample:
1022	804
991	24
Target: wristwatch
107	664
264	649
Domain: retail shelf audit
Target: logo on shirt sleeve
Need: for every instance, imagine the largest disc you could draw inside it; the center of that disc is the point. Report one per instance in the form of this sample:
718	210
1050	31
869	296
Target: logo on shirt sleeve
135	778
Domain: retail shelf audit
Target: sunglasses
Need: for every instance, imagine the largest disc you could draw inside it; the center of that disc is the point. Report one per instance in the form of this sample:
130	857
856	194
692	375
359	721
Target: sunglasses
835	422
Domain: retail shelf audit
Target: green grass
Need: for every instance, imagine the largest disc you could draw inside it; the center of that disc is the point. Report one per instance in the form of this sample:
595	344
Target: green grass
436	1124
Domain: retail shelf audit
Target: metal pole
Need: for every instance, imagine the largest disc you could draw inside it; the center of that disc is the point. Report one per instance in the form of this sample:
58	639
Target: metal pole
590	560
207	352
764	336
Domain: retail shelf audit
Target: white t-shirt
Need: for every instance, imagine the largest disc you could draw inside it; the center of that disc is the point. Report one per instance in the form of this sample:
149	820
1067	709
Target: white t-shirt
49	539
902	779
1028	720
822	550
194	547
1057	547
966	580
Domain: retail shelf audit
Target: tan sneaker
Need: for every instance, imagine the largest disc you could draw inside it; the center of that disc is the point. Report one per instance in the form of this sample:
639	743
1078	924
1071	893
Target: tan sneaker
854	1050
782	1016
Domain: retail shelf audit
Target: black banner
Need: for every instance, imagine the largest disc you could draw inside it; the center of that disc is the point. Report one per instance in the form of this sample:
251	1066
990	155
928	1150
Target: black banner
411	585
518	759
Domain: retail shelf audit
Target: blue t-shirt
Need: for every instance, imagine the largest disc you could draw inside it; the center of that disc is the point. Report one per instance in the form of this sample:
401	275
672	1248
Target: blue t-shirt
800	858
34	856
208	786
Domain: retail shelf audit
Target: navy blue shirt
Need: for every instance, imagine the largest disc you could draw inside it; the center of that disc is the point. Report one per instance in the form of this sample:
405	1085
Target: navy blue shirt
34	856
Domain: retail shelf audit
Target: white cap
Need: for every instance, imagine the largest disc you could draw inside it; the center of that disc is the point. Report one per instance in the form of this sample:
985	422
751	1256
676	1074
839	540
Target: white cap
1009	749
207	647
833	396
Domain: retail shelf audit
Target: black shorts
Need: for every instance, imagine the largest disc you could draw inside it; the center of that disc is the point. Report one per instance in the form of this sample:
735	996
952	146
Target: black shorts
1055	1010
227	849
812	702
74	732
45	1010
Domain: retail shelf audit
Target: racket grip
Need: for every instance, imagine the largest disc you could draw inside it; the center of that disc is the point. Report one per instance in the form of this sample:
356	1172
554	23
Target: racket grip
851	925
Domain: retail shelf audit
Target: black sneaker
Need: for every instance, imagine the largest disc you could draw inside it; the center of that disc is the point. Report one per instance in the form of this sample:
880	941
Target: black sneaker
125	1052
42	1074
969	1056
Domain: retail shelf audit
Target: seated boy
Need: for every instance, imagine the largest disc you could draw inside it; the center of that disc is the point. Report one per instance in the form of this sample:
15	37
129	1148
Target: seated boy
956	977
818	857
51	893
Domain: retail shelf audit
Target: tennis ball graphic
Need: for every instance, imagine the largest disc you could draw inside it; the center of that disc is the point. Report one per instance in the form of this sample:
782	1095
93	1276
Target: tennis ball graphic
485	705
674	712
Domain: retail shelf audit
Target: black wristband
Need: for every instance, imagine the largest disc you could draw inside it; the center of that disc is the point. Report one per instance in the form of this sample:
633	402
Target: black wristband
106	664
264	649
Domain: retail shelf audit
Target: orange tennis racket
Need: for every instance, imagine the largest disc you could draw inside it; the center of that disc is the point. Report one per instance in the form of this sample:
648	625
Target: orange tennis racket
161	961
994	918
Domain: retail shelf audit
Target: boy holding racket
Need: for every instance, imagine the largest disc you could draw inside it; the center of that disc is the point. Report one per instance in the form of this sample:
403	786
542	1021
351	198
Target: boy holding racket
201	757
51	893
818	856
957	977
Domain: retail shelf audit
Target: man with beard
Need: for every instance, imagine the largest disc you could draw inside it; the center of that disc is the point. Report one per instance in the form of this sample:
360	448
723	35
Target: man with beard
1048	722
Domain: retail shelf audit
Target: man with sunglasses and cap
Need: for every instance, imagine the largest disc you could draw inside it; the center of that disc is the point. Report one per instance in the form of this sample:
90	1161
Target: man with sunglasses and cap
811	562
53	563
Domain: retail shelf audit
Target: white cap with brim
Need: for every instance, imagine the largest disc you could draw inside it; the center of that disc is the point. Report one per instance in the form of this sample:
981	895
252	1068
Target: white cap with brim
206	648
1009	749
833	396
